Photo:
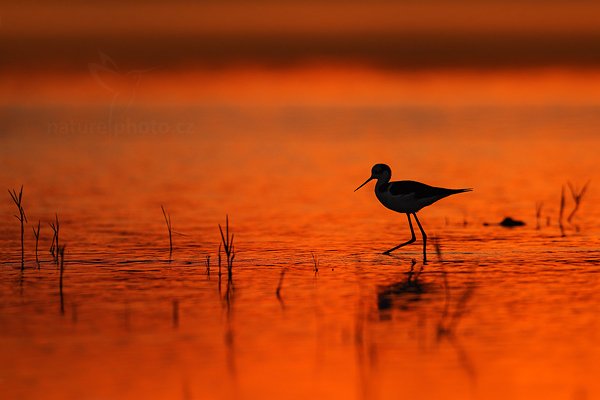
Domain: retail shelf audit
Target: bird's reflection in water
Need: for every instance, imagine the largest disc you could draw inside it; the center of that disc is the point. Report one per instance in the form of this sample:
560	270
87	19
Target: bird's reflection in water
402	294
414	292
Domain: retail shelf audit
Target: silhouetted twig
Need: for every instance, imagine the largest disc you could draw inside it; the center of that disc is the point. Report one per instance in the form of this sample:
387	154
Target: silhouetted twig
561	212
219	268
315	263
208	266
228	247
538	213
18	200
168	222
577	196
54	248
281	276
36	234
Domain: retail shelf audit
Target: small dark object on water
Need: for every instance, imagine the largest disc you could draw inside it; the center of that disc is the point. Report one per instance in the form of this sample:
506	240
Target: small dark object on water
508	222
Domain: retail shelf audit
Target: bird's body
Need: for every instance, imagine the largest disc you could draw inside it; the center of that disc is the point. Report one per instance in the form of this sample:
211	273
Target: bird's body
407	197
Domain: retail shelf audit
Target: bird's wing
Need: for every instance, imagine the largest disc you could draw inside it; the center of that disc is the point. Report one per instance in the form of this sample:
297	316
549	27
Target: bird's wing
418	190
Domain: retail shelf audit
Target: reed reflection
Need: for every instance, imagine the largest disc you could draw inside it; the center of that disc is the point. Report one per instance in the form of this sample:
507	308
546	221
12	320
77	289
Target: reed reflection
229	335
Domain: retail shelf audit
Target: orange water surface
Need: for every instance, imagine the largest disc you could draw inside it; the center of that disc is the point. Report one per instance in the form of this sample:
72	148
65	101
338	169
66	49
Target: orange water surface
499	313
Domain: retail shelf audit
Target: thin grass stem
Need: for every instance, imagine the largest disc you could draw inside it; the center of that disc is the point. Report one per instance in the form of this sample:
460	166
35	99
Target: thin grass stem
169	228
561	212
577	195
22	218
55	247
281	276
315	263
36	234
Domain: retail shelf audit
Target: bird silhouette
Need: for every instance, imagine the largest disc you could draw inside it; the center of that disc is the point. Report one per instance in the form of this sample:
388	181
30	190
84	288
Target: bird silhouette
407	197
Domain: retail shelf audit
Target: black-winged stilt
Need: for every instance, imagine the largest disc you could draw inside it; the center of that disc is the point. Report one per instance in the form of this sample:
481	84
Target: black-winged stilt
406	197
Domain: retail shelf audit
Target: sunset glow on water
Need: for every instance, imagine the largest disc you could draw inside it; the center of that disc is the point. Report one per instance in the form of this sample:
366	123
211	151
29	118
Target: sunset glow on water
277	138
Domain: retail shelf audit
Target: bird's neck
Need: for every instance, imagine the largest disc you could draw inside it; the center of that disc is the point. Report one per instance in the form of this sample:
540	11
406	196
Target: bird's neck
381	181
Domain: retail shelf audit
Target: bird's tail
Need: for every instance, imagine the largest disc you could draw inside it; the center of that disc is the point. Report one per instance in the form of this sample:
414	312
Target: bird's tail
463	190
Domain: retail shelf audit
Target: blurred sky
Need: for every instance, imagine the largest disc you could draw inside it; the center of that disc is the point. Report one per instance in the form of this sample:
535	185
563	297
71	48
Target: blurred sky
66	35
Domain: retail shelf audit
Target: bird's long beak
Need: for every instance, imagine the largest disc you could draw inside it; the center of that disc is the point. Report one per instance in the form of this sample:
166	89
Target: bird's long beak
367	181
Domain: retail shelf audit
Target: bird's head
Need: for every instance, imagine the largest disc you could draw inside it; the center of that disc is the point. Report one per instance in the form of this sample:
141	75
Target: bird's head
379	171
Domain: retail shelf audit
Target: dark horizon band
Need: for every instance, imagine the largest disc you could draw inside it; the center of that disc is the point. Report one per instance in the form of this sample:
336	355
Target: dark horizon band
394	52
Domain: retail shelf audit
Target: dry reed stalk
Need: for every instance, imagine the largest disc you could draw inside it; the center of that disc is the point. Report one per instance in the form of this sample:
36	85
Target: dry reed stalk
55	247
36	234
577	195
561	212
315	263
228	247
538	213
281	276
168	222
219	268
18	200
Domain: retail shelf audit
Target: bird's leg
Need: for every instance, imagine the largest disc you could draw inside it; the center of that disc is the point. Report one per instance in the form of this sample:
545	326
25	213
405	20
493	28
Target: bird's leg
424	238
412	239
